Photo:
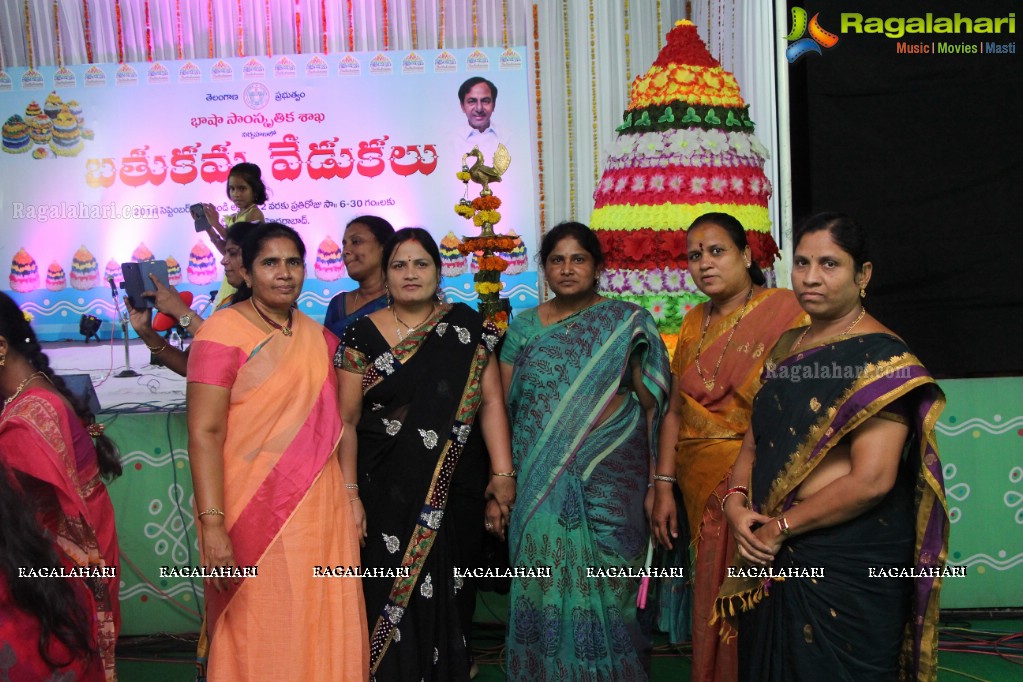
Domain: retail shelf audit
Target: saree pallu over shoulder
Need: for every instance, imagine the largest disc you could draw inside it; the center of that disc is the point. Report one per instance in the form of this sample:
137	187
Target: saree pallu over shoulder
422	469
812	399
36	434
582	479
563	379
282	429
715	419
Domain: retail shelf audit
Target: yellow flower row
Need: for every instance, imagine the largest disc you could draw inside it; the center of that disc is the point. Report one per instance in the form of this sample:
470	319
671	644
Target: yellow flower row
481	217
484	288
669	216
694	84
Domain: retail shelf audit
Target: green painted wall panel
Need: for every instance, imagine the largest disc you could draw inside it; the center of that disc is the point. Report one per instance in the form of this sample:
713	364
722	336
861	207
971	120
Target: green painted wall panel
980	439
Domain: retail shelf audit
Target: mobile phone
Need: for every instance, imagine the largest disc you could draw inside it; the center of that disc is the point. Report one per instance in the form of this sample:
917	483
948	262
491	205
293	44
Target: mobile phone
198	212
136	281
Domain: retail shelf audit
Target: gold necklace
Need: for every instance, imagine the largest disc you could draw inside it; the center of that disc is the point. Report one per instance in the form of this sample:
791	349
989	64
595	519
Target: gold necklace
863	311
283	328
709	383
23	384
358	293
409	328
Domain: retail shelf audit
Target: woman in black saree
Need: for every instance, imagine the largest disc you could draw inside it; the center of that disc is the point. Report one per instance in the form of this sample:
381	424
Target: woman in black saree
414	378
838	483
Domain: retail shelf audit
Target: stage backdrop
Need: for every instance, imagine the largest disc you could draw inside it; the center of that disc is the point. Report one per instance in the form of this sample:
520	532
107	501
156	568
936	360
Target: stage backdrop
101	162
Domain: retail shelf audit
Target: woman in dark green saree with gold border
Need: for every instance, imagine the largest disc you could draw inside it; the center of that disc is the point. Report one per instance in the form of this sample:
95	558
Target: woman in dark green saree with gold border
842	483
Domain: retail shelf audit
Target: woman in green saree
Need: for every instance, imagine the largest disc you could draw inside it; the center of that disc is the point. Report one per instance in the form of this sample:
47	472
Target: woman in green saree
842	483
587	381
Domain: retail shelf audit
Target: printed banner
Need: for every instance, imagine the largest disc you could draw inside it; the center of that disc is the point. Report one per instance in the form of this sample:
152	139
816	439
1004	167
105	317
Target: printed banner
100	164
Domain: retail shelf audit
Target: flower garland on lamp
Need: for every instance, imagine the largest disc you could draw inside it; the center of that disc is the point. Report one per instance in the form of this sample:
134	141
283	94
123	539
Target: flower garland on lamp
483	212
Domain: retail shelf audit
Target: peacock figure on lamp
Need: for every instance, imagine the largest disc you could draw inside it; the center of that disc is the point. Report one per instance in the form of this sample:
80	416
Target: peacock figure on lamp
482	210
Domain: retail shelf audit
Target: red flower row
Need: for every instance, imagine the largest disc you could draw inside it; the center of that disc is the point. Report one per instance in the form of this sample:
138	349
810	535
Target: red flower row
648	249
655	186
684	46
643	249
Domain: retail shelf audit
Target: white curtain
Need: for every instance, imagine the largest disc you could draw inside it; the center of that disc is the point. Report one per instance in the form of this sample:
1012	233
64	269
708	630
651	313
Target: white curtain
589	51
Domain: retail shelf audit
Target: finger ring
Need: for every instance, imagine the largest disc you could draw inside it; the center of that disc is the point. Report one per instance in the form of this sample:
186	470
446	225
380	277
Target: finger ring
489	525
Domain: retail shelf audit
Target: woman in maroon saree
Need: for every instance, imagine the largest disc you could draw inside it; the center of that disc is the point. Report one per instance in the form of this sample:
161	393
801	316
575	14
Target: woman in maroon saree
58	455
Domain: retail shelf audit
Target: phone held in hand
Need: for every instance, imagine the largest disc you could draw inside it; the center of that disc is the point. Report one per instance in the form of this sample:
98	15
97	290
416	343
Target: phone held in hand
137	281
198	212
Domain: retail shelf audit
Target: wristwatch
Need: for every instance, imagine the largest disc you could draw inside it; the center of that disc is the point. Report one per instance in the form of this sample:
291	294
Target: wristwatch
184	321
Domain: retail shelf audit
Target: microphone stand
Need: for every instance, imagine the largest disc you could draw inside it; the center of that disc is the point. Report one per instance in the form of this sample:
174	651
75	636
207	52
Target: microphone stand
123	317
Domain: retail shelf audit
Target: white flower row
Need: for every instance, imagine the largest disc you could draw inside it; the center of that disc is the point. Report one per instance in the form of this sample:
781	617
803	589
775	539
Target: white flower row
643	282
686	142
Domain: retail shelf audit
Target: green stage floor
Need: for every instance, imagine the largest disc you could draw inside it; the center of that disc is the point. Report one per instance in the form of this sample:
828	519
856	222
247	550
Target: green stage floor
162	659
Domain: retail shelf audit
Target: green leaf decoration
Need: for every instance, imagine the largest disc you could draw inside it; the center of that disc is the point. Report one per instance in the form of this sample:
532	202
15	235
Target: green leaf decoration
644	119
710	117
667	117
747	122
732	120
691	116
626	124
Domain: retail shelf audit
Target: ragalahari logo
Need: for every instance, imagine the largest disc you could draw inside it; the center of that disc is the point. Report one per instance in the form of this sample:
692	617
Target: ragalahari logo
800	46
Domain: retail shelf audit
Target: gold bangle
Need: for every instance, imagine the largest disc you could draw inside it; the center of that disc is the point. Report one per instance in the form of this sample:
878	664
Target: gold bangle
212	511
355	499
157	351
352	486
665	479
509	474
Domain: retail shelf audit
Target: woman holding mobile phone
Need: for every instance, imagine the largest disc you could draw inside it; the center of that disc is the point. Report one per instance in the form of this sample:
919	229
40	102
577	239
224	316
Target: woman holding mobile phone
168	301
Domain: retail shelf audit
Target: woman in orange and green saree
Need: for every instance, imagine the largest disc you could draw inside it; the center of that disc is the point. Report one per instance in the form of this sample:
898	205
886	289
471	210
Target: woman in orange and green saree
264	430
838	482
716	370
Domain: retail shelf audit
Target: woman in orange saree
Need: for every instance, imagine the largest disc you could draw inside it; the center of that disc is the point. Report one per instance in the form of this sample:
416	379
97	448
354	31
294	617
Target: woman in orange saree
716	371
264	428
58	455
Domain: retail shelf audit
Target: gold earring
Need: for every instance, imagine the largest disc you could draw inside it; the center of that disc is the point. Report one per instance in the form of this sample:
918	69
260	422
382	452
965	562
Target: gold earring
3	360
863	292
